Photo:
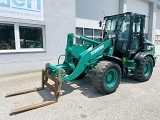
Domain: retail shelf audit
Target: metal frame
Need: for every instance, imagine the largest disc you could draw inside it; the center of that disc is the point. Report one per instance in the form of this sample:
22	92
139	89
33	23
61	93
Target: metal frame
54	88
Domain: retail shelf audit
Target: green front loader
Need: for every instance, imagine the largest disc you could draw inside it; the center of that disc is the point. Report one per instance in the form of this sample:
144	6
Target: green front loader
122	50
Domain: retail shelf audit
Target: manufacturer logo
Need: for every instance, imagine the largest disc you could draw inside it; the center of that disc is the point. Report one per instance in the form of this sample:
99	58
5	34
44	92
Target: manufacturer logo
27	5
24	9
97	49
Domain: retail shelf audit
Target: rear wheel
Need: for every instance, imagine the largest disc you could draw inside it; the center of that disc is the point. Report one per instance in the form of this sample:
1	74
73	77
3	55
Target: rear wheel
144	71
106	77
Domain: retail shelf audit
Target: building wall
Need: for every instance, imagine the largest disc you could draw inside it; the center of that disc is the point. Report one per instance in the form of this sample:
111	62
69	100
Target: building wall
139	6
95	11
89	13
158	23
59	20
157	37
57	24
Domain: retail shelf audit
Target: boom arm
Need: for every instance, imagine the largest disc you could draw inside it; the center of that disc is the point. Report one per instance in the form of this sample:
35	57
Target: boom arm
86	57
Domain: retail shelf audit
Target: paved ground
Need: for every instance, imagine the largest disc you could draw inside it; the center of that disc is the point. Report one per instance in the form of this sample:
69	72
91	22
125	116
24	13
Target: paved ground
80	101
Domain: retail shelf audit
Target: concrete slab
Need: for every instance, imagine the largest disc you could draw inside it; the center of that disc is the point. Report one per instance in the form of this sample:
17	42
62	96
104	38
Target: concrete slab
79	100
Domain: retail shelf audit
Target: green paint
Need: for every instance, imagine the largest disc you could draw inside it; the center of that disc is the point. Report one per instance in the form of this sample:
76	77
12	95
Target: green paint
147	69
111	78
81	58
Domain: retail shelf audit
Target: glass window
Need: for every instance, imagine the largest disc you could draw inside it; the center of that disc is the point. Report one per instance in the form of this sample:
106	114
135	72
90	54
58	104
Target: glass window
125	29
110	25
31	37
136	27
157	40
97	32
79	31
88	32
7	38
79	41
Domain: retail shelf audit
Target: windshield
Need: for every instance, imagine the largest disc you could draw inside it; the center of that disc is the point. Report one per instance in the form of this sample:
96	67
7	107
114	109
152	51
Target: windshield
110	24
117	24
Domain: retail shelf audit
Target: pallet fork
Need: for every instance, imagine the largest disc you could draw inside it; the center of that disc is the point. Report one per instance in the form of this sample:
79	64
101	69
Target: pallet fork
54	88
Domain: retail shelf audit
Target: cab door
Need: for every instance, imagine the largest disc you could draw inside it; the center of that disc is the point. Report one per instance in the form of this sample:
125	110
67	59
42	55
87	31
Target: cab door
137	34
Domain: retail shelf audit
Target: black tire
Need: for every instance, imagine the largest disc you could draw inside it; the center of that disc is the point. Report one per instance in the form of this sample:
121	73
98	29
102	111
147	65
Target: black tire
100	76
144	71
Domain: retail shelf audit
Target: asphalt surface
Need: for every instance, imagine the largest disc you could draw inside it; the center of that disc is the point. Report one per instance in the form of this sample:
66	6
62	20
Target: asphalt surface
80	101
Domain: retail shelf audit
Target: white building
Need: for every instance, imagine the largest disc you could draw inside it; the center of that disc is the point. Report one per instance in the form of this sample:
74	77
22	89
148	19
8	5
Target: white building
34	32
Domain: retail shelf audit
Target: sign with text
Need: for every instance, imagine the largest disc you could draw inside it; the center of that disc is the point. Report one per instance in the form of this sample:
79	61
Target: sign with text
24	9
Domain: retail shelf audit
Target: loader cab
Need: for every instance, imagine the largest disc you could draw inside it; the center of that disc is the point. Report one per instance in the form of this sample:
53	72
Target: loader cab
128	31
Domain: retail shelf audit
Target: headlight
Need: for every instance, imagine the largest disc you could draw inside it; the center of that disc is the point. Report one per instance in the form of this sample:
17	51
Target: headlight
150	47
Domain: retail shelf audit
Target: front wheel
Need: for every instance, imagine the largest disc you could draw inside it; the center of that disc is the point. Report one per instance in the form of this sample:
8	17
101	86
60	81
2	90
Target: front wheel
106	77
144	71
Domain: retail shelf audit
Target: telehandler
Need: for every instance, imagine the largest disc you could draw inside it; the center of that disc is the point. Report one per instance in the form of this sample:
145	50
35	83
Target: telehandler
122	50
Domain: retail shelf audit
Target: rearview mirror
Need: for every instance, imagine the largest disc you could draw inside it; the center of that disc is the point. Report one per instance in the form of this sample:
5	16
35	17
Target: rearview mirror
100	23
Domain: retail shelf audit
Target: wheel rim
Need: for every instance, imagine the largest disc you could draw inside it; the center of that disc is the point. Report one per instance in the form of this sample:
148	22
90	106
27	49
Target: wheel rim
111	78
147	69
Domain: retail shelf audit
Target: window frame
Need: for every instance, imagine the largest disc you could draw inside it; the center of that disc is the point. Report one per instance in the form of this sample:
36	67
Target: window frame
96	36
93	35
91	30
17	39
157	40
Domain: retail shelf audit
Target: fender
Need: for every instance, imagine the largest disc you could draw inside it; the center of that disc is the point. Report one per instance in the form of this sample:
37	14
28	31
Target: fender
140	56
116	60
